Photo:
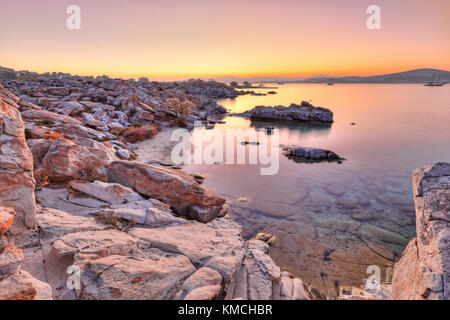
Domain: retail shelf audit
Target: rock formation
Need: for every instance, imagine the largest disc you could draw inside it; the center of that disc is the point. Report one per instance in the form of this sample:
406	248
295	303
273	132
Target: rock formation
16	163
105	228
304	112
423	272
310	154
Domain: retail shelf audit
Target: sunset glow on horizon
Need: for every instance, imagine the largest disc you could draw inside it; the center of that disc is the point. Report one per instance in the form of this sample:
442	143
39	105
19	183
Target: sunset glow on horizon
178	39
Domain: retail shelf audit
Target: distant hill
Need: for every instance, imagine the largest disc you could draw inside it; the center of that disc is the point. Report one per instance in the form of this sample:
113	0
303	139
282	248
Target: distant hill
412	76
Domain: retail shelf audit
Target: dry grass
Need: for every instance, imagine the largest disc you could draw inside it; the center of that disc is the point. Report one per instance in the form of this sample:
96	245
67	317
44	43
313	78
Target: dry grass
116	222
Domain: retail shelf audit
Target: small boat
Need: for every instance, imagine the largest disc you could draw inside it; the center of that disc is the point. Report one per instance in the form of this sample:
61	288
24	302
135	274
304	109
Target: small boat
435	81
330	83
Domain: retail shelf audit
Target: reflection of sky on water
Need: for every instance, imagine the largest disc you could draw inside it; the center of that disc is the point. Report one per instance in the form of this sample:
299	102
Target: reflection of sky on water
333	220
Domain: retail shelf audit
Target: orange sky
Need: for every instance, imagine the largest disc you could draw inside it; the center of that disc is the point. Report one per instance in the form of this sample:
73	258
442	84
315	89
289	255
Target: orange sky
174	39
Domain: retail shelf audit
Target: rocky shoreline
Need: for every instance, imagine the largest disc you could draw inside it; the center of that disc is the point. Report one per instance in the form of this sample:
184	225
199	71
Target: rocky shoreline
80	218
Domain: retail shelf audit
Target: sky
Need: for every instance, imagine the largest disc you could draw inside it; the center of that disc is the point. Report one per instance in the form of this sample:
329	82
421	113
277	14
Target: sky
178	39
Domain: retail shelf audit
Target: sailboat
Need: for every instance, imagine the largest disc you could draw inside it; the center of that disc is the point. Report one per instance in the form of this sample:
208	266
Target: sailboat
435	81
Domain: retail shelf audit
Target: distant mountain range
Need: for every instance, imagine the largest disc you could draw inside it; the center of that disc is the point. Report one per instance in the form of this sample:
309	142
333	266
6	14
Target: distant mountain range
411	76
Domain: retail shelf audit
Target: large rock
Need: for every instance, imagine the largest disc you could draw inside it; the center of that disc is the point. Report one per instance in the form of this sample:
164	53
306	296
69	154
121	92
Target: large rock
423	272
23	286
204	284
295	112
48	118
217	245
112	193
174	187
16	163
310	154
120	277
67	161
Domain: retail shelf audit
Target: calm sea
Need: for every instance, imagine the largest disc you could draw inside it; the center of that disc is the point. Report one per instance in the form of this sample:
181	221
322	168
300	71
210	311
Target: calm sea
333	221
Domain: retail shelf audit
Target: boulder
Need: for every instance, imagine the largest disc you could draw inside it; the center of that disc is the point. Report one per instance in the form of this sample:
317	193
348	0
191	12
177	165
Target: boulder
39	148
112	193
58	91
174	187
67	161
127	278
202	285
294	112
217	245
16	163
310	154
49	118
94	243
259	278
22	286
423	271
142	212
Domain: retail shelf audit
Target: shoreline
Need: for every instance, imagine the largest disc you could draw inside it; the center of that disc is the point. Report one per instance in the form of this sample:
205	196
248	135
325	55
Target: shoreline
88	201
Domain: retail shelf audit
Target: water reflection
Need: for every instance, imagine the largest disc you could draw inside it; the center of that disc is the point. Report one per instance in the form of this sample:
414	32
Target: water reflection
334	220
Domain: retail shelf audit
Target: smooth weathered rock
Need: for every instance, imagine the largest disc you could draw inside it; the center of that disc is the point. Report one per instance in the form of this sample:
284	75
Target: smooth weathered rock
22	286
112	193
143	212
174	187
48	118
260	279
120	277
217	245
16	163
423	272
67	161
65	200
203	277
95	243
204	293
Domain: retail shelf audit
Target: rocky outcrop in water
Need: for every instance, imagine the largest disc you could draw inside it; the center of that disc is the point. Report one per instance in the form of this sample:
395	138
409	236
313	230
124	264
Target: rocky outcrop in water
423	272
310	154
304	112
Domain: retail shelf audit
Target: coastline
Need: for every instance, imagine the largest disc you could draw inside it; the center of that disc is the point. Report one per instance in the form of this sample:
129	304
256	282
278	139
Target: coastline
81	153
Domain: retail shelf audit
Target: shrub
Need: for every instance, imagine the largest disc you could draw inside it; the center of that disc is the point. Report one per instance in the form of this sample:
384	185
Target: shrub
116	222
76	113
133	134
53	136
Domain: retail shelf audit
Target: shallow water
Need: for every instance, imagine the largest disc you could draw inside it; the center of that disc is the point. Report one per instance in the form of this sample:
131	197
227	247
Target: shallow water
333	220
